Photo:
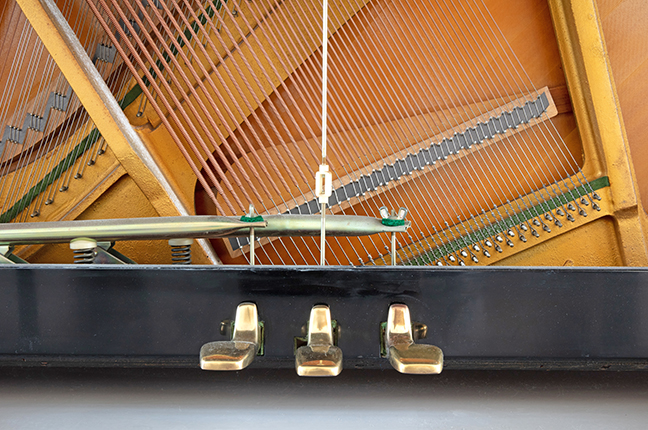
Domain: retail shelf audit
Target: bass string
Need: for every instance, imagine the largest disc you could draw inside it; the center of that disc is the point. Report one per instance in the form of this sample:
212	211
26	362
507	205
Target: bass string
216	33
181	111
28	147
114	31
19	113
260	27
230	75
83	123
8	96
282	100
38	162
75	111
232	117
230	132
187	62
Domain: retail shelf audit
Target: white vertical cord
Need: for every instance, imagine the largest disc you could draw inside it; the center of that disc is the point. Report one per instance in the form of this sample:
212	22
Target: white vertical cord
323	180
324	76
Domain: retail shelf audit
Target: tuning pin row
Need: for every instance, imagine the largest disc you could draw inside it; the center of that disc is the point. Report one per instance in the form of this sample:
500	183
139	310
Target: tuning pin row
540	222
320	356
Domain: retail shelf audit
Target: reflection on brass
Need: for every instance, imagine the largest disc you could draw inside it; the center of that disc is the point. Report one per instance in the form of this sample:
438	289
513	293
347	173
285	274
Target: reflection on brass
320	357
238	353
405	355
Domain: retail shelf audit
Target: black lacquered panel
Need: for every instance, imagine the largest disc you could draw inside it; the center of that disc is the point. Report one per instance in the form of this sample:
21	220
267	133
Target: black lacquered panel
139	315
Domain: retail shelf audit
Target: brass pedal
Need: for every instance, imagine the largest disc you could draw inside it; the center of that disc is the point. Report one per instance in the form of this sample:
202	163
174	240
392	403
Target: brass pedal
403	353
319	357
238	353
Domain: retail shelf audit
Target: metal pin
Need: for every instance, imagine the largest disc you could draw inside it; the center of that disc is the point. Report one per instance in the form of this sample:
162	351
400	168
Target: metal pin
393	249
252	246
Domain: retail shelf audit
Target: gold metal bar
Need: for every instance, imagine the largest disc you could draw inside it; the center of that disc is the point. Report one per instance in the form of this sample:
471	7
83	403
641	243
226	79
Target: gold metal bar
197	226
596	106
123	229
310	225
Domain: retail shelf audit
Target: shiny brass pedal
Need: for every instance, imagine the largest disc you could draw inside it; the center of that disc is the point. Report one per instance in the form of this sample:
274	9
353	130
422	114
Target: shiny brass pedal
403	353
319	357
238	353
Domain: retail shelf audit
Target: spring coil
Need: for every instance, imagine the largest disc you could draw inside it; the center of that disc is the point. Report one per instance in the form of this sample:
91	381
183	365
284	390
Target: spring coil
181	254
84	256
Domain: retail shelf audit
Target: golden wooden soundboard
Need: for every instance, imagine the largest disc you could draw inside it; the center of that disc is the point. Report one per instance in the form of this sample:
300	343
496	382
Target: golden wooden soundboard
143	173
